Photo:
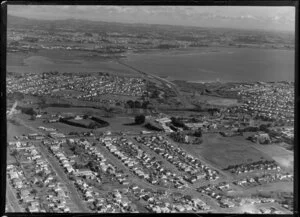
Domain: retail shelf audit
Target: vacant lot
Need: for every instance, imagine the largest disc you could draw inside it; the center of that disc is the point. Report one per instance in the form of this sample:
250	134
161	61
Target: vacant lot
218	101
283	157
222	152
14	129
116	123
223	102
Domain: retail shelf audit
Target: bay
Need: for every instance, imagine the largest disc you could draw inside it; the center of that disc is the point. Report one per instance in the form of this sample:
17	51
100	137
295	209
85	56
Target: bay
196	65
224	64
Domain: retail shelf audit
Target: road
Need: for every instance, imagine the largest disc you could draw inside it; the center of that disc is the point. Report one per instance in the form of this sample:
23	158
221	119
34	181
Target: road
78	201
59	171
146	74
162	80
117	162
12	109
65	180
12	201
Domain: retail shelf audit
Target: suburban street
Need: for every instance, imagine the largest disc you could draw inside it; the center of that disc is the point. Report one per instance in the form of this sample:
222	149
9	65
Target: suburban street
11	199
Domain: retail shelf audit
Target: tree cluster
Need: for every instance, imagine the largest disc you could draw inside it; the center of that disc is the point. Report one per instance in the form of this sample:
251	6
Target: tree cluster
28	111
198	132
152	126
248	129
137	104
139	119
178	123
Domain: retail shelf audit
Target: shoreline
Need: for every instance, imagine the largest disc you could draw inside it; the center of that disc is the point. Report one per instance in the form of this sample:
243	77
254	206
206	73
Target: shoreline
200	64
210	49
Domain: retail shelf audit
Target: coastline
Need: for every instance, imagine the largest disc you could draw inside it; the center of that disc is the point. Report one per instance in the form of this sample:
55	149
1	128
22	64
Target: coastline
192	65
209	49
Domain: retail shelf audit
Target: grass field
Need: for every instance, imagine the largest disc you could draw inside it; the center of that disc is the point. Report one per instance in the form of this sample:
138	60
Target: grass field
85	122
218	101
223	102
74	111
117	123
283	157
222	152
15	130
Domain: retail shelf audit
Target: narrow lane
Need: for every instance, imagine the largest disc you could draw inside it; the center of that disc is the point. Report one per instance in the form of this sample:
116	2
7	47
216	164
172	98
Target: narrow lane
11	199
65	180
60	173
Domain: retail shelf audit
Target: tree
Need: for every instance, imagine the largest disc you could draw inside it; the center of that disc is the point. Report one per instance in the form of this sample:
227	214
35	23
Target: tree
130	103
155	94
79	166
33	191
263	127
92	165
93	125
28	111
18	96
108	112
197	140
14	153
40	184
139	119
40	174
198	132
177	123
32	117
145	104
72	178
137	104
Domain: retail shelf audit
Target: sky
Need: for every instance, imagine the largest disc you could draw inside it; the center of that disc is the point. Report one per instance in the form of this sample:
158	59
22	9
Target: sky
240	17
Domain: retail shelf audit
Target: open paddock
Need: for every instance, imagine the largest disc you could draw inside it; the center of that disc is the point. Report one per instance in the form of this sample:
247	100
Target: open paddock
222	152
282	156
16	130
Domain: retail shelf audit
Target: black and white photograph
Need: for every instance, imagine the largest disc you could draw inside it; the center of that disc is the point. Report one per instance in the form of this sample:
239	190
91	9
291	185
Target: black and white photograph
150	109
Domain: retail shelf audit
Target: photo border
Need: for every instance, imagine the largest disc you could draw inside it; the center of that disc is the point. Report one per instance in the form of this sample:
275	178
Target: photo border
3	52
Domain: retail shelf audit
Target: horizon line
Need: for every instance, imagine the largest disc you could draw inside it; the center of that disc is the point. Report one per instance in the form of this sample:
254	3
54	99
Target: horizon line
158	24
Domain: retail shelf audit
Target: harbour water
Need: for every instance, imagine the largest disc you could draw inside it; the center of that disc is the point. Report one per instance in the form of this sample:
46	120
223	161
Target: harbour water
225	64
221	64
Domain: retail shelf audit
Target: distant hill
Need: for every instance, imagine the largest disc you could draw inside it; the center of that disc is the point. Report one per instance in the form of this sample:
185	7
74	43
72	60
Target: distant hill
14	21
78	24
149	31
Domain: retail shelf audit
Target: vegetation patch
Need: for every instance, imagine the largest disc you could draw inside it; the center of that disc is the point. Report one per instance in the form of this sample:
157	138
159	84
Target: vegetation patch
85	121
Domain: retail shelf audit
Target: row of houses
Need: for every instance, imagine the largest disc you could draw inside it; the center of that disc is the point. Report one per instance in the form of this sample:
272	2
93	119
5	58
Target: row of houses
87	86
43	177
267	178
254	166
64	161
57	201
272	101
102	205
47	129
141	163
81	176
192	166
104	166
215	193
161	201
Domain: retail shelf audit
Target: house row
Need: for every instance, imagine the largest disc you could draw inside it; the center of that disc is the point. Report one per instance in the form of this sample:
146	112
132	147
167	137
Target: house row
179	158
